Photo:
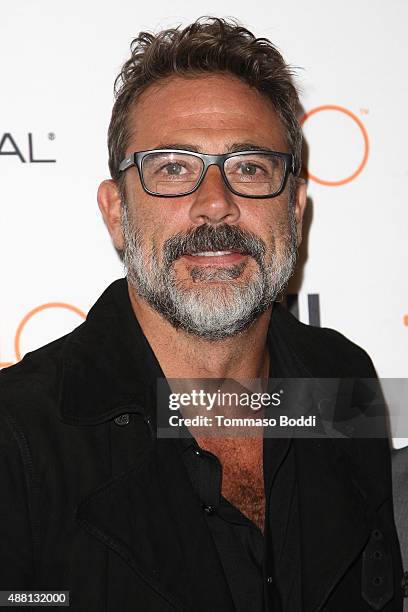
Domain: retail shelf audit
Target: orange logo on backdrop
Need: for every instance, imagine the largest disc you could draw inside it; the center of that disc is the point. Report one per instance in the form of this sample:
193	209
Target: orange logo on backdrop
30	315
345	111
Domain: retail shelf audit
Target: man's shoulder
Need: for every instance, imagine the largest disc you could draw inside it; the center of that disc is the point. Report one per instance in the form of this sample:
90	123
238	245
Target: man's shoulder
324	351
32	384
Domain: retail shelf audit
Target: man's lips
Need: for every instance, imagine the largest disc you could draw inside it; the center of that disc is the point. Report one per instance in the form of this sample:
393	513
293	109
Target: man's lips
215	258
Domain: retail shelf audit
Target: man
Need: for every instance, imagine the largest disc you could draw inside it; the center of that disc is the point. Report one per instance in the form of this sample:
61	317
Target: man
206	205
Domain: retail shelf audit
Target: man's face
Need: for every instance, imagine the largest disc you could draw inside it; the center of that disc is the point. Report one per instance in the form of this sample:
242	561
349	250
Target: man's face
210	296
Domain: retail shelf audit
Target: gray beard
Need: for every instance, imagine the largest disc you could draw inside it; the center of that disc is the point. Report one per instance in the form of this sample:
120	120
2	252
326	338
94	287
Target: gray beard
208	311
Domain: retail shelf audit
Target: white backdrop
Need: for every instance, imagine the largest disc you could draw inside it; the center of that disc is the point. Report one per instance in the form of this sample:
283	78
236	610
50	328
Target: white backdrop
58	63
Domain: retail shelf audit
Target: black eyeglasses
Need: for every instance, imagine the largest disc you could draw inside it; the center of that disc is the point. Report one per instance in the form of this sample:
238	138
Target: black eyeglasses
170	173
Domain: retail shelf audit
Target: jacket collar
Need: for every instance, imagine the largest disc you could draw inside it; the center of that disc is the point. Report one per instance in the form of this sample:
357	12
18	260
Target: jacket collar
108	366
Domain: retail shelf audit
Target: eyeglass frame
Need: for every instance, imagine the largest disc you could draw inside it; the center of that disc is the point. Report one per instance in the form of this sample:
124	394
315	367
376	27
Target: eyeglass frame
136	159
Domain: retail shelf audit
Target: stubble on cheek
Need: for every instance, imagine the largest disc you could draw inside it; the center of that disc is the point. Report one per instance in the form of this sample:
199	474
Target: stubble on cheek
279	239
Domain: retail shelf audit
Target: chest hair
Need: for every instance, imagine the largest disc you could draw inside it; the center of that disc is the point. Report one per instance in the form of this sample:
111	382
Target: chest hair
242	473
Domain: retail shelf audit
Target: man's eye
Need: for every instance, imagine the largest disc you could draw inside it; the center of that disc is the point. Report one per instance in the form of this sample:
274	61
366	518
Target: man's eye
173	169
249	169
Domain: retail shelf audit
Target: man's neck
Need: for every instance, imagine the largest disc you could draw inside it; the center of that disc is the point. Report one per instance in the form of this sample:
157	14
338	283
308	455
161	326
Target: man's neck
183	355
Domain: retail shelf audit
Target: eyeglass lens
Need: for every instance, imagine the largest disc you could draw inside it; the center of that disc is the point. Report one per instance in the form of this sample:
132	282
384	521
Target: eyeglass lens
173	173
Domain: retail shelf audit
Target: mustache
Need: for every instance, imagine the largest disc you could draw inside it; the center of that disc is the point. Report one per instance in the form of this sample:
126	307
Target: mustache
214	238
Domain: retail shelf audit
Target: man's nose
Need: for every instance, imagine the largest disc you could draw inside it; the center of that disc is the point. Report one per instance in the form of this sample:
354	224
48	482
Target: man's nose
214	202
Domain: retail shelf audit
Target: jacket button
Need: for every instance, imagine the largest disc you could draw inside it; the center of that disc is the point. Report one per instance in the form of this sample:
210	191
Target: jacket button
404	584
209	509
122	419
269	580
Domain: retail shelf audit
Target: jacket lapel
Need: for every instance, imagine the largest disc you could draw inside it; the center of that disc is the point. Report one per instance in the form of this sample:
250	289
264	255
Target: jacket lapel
338	489
151	518
333	518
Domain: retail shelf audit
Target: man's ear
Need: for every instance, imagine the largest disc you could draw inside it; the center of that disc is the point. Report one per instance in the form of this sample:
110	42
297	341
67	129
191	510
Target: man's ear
109	202
300	205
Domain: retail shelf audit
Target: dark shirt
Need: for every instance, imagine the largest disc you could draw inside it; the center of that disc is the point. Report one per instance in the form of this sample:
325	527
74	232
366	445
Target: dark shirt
244	551
239	542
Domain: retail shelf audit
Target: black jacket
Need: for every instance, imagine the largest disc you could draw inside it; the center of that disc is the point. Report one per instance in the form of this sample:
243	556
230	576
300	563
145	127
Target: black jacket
91	502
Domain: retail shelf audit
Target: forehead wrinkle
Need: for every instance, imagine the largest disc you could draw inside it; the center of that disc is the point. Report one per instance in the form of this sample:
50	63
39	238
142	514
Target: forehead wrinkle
205	106
208	121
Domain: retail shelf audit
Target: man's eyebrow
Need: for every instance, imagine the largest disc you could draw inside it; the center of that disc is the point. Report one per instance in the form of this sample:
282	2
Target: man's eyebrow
178	146
233	148
248	146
